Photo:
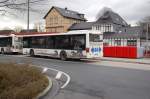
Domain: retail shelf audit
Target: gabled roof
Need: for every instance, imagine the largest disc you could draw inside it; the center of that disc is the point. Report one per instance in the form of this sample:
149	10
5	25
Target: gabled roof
68	13
133	30
113	35
31	30
6	32
82	26
112	17
127	32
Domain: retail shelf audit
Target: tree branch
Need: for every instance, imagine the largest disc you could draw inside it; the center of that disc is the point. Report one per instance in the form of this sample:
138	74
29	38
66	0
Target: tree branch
4	1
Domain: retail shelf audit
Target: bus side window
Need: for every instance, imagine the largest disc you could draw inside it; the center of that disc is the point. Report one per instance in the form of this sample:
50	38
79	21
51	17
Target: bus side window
77	45
50	42
78	42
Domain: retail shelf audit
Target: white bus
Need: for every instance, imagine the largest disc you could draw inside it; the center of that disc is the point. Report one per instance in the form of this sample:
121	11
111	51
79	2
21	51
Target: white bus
10	44
79	44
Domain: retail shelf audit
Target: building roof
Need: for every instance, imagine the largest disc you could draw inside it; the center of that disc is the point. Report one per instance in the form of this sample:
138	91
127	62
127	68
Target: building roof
125	32
68	13
135	29
6	32
113	35
82	26
31	30
112	17
107	17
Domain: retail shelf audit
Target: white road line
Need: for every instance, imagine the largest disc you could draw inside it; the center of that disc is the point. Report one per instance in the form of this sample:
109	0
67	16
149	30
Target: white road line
45	70
58	74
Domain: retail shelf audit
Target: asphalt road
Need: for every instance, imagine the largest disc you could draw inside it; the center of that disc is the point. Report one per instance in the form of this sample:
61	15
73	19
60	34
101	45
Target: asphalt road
89	81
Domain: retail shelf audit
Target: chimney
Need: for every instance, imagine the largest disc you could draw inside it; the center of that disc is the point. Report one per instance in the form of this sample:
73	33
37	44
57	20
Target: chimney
81	15
66	8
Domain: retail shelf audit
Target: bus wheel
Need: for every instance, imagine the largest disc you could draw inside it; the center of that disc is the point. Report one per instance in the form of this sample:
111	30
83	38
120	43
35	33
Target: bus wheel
31	52
2	51
63	55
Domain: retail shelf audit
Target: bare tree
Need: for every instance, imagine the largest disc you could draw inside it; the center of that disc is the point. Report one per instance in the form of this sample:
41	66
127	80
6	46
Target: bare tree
6	6
7	28
40	26
12	6
18	28
143	23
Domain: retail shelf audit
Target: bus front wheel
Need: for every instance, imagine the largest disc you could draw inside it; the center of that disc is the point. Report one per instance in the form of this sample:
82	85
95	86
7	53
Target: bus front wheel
31	53
63	55
2	51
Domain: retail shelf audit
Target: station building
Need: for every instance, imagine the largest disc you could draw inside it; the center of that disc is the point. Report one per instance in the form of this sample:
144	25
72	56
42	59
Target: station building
119	38
116	31
60	19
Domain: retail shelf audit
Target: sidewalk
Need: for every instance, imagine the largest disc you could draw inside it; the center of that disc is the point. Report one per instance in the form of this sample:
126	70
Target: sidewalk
53	92
126	60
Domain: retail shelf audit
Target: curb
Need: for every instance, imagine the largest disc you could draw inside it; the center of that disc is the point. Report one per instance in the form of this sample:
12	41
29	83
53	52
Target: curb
125	61
46	89
53	92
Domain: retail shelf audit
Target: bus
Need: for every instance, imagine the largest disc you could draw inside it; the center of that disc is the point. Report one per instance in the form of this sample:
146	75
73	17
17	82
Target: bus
74	44
10	44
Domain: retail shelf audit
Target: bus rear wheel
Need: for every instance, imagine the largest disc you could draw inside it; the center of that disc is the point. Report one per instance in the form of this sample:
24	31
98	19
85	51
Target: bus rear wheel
31	53
63	55
2	51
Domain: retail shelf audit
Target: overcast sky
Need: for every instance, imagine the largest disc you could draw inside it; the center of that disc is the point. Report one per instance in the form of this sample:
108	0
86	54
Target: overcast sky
131	10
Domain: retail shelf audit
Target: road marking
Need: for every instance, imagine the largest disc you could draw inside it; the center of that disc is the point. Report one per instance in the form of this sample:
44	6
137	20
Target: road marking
58	76
45	70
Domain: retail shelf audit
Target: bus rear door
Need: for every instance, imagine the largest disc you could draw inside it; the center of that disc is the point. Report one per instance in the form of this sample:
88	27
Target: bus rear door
95	46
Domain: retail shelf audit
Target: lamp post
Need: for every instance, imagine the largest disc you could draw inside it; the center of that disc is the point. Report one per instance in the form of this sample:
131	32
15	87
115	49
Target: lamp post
28	16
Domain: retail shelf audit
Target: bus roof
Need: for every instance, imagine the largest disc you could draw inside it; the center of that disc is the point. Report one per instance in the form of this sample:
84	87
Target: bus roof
1	36
30	34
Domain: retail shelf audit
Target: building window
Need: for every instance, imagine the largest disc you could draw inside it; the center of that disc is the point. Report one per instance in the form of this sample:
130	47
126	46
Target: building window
51	21
55	20
107	28
103	27
131	42
117	42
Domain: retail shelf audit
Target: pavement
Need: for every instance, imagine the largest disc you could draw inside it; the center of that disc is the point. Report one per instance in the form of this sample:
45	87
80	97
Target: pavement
139	61
96	80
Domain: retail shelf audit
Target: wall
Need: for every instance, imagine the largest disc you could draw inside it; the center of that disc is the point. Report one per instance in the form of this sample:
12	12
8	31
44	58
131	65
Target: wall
55	22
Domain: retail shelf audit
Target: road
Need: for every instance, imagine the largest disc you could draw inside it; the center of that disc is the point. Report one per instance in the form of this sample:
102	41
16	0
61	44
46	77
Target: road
95	81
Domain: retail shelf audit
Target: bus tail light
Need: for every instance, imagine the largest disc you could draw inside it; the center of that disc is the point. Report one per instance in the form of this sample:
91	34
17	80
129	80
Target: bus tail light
87	50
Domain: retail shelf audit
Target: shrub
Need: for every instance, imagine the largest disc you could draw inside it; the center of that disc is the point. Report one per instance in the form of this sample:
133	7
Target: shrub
21	81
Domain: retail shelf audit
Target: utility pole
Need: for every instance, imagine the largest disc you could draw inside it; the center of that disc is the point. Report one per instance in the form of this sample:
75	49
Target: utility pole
28	16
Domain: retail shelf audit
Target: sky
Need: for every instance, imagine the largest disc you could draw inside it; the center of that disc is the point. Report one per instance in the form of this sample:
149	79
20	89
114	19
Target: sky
131	10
